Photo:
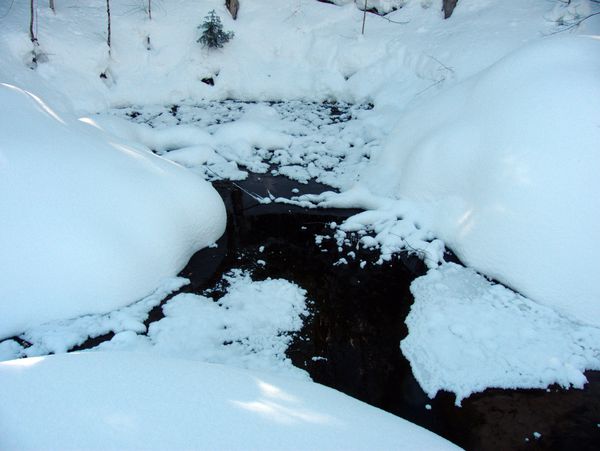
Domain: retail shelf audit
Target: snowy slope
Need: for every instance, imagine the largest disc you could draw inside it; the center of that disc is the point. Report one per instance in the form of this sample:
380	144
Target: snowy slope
507	164
135	401
282	49
89	223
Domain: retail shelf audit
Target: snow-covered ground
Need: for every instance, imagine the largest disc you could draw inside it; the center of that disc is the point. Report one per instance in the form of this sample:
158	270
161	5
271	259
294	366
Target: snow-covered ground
483	137
121	401
89	222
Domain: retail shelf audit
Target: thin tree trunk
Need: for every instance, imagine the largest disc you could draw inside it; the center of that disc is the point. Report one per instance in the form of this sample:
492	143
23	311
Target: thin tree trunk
31	22
150	9
448	7
52	7
108	15
233	6
364	18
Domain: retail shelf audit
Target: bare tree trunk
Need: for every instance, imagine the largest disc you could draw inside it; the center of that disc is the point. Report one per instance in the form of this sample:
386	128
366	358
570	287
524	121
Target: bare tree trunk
150	9
364	18
32	35
108	16
448	7
52	7
233	6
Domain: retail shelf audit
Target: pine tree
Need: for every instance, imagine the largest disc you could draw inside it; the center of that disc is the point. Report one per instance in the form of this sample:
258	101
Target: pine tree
213	35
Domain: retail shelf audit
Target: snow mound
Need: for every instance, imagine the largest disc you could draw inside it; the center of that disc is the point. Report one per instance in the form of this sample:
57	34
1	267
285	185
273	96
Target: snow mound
135	401
467	334
89	223
508	164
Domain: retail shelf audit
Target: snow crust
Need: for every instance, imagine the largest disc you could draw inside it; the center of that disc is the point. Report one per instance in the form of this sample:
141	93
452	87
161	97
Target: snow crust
136	401
467	334
89	223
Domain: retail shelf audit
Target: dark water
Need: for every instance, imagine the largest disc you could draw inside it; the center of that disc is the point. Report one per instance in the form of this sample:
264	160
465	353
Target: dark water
351	341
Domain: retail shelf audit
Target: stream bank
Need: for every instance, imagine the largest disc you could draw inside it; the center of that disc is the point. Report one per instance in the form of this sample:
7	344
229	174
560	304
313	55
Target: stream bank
351	340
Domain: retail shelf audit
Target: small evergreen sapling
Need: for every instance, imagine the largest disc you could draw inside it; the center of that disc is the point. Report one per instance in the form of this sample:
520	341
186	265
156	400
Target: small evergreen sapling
213	35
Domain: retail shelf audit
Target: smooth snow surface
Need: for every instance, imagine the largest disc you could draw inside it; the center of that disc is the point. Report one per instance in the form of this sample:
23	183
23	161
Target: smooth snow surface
467	334
89	223
507	163
135	401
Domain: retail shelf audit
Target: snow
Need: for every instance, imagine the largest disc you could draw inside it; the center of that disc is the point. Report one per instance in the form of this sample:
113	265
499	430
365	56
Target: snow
506	164
476	133
249	325
467	334
89	223
136	401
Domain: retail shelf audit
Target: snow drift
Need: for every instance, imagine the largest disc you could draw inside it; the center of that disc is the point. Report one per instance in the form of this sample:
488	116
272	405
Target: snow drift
136	401
89	223
508	163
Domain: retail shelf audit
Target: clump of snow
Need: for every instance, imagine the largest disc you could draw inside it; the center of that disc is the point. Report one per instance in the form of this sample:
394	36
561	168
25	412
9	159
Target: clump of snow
57	337
327	141
467	334
136	401
89	223
250	326
506	166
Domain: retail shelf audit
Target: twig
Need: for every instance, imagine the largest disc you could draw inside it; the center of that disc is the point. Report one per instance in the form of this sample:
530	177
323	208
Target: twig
575	24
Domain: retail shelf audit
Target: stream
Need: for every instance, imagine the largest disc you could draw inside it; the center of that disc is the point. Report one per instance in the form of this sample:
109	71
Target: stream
351	340
358	305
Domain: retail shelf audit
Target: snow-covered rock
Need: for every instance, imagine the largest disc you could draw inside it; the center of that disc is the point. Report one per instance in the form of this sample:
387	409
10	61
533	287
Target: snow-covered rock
89	222
507	163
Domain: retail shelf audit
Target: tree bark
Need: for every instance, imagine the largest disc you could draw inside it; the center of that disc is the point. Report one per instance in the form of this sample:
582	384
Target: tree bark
364	18
448	7
233	6
108	16
32	35
52	7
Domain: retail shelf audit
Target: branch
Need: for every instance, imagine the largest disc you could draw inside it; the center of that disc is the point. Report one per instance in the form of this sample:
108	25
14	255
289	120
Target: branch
576	23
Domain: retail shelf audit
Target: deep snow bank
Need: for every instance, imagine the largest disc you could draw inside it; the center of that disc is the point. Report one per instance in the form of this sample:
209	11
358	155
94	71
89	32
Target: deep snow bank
135	401
467	334
88	223
508	163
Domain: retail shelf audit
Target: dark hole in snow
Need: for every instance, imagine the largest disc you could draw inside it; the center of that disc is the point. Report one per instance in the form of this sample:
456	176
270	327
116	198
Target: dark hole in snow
209	81
93	342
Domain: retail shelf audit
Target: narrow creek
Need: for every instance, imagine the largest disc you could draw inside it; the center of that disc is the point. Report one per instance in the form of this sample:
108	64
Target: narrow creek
351	340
